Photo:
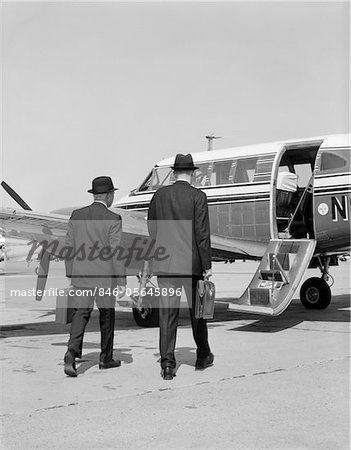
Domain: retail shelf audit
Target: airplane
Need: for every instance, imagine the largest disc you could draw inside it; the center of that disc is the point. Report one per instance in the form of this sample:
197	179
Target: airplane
285	204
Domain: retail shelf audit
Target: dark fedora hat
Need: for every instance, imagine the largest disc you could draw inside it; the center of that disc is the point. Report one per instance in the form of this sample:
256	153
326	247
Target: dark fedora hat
102	185
184	162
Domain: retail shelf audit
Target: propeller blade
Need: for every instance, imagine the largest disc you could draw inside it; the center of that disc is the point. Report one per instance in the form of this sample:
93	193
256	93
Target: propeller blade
43	271
13	194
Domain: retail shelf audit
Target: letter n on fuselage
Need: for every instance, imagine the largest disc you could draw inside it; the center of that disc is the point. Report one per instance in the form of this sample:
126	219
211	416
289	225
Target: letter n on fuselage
340	208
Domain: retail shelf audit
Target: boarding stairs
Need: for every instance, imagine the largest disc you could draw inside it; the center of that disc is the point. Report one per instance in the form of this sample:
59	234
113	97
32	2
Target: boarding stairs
280	272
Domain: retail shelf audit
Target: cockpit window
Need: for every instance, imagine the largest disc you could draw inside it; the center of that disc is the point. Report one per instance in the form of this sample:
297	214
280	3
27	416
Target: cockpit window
159	176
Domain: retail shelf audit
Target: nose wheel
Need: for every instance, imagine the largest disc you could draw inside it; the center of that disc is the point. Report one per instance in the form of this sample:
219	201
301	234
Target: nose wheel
315	293
146	307
147	315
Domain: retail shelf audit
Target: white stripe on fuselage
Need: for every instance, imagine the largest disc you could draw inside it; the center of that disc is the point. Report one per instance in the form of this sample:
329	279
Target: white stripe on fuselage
337	181
233	193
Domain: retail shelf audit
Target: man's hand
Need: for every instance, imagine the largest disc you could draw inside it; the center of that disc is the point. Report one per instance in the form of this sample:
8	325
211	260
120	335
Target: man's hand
208	273
121	291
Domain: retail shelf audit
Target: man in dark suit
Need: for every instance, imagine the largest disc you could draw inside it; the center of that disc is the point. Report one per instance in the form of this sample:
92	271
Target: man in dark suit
93	235
178	221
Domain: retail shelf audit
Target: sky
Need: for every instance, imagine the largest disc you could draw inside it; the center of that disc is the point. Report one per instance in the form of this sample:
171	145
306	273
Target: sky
92	89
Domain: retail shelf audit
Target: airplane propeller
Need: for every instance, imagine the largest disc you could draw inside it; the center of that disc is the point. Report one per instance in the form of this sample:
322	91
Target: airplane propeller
13	194
44	261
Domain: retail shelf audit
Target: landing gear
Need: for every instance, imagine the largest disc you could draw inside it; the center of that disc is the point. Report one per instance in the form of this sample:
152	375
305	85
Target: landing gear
315	292
146	307
147	315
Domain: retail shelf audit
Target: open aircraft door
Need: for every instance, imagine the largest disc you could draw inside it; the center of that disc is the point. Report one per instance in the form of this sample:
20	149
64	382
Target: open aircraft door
277	277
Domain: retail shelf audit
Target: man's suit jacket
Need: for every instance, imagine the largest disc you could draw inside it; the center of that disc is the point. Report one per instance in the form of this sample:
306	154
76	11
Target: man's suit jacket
185	206
94	233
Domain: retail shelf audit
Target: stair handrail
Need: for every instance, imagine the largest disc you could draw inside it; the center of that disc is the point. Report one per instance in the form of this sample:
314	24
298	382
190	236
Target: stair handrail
308	189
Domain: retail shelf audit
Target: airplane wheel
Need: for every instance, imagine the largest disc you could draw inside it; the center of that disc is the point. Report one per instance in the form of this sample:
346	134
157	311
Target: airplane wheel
315	293
148	316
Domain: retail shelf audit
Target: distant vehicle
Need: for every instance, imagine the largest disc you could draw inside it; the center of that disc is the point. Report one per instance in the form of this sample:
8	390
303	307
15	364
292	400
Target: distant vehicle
285	203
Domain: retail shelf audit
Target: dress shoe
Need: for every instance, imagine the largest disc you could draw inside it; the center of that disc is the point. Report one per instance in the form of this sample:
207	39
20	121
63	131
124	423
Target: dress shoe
70	369
110	364
203	363
167	373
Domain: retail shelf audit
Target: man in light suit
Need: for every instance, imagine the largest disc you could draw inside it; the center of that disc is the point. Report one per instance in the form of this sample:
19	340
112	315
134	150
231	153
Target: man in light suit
171	209
93	235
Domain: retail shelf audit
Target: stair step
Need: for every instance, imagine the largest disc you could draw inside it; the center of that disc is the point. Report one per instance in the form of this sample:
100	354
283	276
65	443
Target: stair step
271	275
273	285
262	310
260	296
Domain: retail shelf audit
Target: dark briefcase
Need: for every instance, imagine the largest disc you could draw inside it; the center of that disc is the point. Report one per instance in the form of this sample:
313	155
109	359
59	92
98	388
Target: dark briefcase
64	310
205	297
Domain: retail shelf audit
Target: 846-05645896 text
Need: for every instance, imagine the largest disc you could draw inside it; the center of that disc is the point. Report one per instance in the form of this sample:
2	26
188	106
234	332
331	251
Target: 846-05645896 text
152	291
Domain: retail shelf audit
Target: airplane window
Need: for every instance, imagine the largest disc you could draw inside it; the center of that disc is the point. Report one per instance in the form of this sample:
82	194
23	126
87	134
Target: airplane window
330	162
211	178
201	175
213	173
160	176
220	172
245	170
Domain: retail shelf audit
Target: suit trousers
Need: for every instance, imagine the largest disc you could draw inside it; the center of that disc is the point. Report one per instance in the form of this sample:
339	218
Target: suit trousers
169	314
82	307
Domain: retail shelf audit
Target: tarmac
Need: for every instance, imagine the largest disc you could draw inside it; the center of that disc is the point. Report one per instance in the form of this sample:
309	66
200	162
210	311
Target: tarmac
279	383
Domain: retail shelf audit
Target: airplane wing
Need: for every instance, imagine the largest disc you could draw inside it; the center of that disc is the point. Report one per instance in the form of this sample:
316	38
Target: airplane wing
48	232
51	228
32	226
39	227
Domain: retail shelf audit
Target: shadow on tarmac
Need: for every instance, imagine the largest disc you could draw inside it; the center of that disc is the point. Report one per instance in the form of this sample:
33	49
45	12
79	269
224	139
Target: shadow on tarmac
91	359
294	315
183	355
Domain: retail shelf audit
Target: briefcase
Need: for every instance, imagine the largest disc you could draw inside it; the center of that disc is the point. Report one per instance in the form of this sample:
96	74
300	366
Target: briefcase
204	301
64	310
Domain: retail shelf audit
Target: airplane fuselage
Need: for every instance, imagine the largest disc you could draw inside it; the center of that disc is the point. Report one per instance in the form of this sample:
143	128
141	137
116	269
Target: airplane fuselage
241	187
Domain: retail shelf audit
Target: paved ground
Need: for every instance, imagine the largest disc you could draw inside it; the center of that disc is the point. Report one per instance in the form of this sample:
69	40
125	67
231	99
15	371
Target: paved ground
276	383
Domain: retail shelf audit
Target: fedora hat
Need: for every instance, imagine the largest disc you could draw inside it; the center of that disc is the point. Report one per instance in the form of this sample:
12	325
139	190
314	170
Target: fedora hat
102	185
184	162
